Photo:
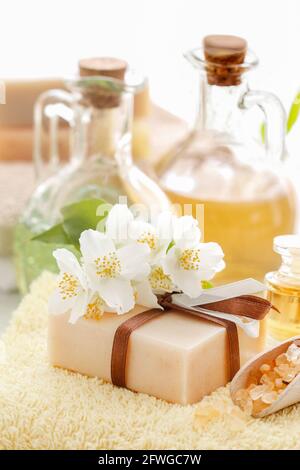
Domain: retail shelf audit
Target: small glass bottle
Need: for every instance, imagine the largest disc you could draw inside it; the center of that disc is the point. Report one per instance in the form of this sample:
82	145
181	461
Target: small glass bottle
284	289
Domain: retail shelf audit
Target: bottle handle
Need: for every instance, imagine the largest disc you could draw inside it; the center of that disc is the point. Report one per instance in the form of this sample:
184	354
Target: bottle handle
50	106
275	121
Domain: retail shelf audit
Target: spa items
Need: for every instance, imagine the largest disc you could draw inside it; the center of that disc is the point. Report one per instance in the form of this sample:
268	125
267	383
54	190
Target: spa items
98	110
223	166
283	289
139	294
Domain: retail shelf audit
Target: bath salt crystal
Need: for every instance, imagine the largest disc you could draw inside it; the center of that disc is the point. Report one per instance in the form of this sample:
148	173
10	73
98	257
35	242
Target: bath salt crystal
279	383
293	353
265	368
246	403
248	406
205	414
269	397
258	392
282	369
258	406
289	375
281	360
269	378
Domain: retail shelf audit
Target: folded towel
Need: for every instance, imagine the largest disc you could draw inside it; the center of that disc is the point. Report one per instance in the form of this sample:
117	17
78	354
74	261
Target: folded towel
48	408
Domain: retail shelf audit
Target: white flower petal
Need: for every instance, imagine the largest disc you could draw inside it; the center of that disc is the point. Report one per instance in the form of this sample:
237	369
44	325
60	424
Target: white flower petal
165	226
118	294
134	257
187	281
206	273
138	228
145	295
79	307
117	223
94	244
90	269
68	263
157	256
186	232
210	250
170	262
211	256
57	305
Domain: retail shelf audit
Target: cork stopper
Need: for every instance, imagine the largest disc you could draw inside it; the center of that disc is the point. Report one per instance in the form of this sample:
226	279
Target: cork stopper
223	55
95	95
104	66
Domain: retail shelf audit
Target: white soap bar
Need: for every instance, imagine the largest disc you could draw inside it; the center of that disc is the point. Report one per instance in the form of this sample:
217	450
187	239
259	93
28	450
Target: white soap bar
176	357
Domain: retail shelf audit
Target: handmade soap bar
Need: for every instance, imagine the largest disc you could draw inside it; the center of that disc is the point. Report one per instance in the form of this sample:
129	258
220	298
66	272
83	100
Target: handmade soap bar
176	357
20	96
16	143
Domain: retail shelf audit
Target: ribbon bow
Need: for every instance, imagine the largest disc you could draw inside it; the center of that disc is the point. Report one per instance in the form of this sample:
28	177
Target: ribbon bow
230	306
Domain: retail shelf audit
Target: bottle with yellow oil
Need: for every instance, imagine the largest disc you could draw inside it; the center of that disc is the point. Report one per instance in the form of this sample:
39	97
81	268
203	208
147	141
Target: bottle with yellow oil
223	167
284	289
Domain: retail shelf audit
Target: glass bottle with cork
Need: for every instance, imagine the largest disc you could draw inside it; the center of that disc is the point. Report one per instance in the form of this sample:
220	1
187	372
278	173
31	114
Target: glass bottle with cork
98	109
284	289
222	165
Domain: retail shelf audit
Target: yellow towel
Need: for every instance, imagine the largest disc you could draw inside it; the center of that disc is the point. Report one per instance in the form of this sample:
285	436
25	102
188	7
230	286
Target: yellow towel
46	408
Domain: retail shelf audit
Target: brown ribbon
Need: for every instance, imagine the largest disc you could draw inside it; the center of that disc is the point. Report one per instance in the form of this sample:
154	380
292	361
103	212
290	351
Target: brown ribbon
245	305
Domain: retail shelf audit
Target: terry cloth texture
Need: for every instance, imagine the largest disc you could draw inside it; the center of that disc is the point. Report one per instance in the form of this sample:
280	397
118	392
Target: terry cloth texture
42	407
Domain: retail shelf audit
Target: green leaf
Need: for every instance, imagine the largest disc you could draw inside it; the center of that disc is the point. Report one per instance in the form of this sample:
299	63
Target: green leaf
206	285
171	244
81	216
263	132
77	217
55	234
294	112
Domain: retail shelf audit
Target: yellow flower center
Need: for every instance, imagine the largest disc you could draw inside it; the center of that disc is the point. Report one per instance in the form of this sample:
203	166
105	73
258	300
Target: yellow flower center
190	259
149	238
108	266
68	286
159	280
94	310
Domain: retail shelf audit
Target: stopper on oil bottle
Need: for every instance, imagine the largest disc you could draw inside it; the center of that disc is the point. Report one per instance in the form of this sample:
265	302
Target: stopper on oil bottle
96	93
223	55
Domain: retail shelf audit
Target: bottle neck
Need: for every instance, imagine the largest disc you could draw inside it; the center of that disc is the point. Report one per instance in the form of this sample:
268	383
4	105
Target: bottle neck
290	266
219	108
104	132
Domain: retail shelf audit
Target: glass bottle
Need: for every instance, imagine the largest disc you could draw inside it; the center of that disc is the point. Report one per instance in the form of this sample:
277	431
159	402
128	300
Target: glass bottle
240	181
98	111
284	289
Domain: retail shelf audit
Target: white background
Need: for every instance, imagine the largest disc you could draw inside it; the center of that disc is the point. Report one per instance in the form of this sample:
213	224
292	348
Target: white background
48	37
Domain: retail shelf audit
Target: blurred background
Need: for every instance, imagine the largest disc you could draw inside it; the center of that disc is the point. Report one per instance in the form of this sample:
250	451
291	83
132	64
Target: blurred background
46	39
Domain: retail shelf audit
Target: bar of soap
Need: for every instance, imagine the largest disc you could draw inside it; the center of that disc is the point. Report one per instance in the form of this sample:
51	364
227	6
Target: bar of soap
16	143
21	95
176	357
